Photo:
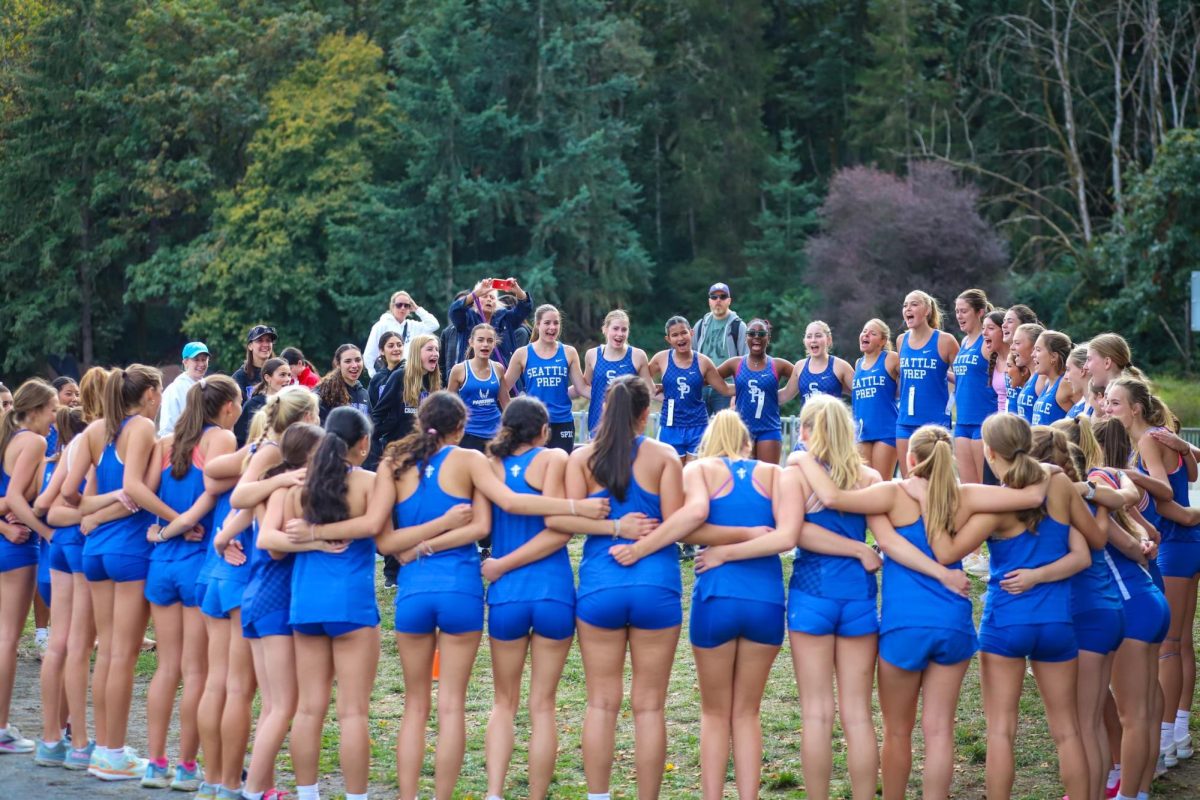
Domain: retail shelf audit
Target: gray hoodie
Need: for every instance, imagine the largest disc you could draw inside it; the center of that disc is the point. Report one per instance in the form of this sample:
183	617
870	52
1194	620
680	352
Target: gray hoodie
735	336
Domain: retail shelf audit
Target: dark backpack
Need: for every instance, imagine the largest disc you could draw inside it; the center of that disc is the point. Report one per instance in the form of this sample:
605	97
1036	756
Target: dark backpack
448	344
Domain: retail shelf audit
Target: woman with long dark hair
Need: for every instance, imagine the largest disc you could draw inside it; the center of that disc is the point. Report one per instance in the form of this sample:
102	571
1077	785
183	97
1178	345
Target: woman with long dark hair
340	386
276	374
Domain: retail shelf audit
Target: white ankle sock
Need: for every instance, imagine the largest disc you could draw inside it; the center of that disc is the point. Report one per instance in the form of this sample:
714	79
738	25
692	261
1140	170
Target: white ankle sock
362	796
494	797
252	795
1182	718
308	792
41	634
1166	736
1143	796
1114	776
599	796
49	743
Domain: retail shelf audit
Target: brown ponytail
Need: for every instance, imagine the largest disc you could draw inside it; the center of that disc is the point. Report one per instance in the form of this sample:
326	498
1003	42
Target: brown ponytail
1009	437
204	401
612	455
123	391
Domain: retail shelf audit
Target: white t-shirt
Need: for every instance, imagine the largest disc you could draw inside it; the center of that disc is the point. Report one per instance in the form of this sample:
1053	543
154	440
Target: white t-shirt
173	400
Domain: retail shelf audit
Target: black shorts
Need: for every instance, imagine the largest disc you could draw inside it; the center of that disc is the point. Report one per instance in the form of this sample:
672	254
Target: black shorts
562	436
473	442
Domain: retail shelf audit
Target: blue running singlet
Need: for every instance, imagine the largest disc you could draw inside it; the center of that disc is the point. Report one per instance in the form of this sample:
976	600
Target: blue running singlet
126	536
757	579
974	397
605	372
1026	397
481	397
1046	409
15	556
914	600
875	408
756	397
1044	603
549	380
834	577
683	403
924	392
823	382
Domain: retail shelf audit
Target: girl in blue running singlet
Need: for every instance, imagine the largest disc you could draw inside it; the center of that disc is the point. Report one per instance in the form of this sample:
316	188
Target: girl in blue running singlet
819	372
684	373
481	384
530	597
268	598
23	433
609	361
210	411
429	501
757	381
1024	339
1051	350
974	398
926	354
261	641
1131	403
874	404
1096	610
738	611
1147	616
625	608
1027	613
116	552
1076	379
927	635
549	370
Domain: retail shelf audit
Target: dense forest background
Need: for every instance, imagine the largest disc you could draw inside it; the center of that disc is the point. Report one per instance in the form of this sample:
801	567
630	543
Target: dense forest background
177	169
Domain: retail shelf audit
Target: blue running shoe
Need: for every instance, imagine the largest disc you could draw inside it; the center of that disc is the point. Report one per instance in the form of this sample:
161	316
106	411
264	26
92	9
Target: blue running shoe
80	759
50	756
156	777
186	780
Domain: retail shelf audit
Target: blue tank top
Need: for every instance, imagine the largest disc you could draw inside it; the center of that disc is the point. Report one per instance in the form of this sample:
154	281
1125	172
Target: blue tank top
181	494
222	569
1078	408
1171	530
823	382
605	372
758	579
1129	578
549	578
221	510
549	380
15	553
1010	394
335	587
1046	408
1026	398
1046	602
974	398
126	536
683	401
481	398
51	446
269	589
834	577
913	600
756	397
454	570
598	570
875	409
1093	588
924	392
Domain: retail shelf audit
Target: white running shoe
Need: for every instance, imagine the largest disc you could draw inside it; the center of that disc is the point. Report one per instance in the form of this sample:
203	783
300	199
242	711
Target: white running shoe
1183	747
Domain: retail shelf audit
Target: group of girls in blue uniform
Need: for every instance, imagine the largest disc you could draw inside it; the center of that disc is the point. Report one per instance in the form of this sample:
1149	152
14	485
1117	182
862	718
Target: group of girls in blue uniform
257	563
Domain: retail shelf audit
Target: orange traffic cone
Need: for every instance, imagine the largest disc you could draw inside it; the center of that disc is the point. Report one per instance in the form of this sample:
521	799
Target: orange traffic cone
436	663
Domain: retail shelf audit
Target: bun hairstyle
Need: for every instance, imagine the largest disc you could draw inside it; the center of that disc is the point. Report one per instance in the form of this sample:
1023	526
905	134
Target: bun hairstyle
676	320
91	393
1079	433
977	299
324	495
625	401
440	415
933	450
1114	347
831	439
203	405
416	379
725	437
1009	437
522	423
935	311
270	368
1058	344
1050	446
123	392
1114	442
296	446
884	330
1024	314
332	390
539	312
1154	410
996	315
31	396
285	408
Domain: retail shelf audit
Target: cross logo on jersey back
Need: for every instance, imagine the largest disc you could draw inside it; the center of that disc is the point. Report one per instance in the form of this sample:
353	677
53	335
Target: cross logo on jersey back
515	469
741	473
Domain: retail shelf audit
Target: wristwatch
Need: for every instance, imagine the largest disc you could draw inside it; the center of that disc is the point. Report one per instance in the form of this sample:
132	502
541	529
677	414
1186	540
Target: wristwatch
1091	492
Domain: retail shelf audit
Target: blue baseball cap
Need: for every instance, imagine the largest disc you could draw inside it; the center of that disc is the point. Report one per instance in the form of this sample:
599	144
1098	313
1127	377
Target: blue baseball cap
720	287
193	349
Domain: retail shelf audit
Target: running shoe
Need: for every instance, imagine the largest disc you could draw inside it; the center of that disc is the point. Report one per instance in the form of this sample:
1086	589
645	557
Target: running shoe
124	766
1183	747
80	759
1169	756
156	777
50	756
11	741
206	792
276	794
229	794
977	565
1160	767
186	780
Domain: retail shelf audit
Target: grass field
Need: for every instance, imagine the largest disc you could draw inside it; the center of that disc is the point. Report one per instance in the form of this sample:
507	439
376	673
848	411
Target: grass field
1037	771
1181	396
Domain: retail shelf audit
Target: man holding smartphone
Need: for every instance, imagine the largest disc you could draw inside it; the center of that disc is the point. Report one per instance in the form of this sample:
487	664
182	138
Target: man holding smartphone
482	304
404	317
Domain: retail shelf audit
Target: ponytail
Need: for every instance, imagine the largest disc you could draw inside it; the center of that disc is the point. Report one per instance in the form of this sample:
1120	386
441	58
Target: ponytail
932	448
296	446
324	497
612	456
123	391
1050	446
69	423
523	421
1079	433
440	415
1009	437
285	408
831	439
29	397
204	402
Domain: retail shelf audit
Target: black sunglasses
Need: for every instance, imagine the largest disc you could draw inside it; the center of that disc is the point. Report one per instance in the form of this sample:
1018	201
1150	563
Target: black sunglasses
757	334
718	297
402	304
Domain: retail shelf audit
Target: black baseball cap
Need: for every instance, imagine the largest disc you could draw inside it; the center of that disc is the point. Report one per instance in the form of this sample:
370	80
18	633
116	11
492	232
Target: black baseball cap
259	331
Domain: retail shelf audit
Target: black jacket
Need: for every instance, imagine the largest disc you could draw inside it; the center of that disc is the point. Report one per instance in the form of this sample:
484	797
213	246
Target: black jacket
358	399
